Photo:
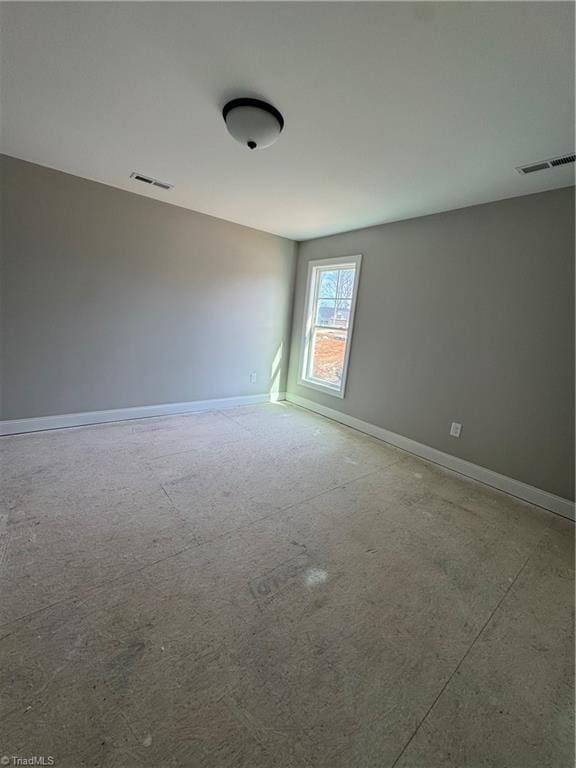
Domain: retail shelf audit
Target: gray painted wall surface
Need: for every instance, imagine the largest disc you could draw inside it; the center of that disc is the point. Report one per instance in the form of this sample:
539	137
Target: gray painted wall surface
465	316
111	299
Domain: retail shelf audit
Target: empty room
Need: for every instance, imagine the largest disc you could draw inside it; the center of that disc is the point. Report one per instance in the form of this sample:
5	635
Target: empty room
287	384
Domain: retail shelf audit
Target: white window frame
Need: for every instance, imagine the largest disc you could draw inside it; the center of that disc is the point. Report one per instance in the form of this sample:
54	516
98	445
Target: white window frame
312	284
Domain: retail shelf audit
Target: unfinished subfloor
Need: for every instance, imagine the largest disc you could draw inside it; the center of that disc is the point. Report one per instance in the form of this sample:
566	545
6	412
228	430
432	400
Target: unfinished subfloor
263	588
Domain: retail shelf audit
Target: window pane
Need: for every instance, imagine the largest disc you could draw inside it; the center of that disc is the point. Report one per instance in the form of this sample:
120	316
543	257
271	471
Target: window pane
346	283
325	312
327	362
328	283
342	316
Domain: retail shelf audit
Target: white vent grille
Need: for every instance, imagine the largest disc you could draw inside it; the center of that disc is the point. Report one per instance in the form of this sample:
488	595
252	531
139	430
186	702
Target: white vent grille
543	165
149	180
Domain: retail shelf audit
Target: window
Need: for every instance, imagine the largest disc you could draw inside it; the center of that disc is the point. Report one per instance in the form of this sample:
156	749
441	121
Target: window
331	297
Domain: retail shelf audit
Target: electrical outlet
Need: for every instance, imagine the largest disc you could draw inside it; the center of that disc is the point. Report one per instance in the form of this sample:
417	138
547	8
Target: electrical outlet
455	429
253	377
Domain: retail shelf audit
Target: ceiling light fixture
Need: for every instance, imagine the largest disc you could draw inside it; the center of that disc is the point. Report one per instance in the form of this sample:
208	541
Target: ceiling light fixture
253	123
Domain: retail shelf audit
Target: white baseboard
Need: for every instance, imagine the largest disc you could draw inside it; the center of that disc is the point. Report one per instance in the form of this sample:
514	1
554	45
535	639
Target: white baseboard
61	421
521	490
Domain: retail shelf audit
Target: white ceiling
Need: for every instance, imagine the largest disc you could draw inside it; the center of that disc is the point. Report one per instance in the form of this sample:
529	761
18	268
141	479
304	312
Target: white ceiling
392	110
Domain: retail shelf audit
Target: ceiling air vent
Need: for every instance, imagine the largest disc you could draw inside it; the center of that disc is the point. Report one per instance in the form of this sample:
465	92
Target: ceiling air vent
545	164
149	180
562	160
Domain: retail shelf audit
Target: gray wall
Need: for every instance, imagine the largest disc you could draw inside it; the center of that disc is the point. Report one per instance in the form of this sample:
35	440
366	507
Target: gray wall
466	316
111	299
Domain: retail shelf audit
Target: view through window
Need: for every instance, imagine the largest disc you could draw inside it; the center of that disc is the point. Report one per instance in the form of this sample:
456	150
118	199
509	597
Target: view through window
330	308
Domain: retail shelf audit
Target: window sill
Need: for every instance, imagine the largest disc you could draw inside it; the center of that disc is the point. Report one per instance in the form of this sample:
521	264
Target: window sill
325	388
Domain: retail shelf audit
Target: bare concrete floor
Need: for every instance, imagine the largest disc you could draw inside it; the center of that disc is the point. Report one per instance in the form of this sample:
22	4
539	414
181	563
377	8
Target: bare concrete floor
262	588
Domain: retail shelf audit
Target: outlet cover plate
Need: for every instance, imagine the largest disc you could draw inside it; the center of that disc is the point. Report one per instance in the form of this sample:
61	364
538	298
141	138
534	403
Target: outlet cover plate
455	429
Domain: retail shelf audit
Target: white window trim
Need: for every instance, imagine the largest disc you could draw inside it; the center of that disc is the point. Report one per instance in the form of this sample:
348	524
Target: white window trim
311	291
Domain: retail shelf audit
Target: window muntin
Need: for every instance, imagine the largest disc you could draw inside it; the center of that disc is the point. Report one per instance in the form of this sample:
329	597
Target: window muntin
331	296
